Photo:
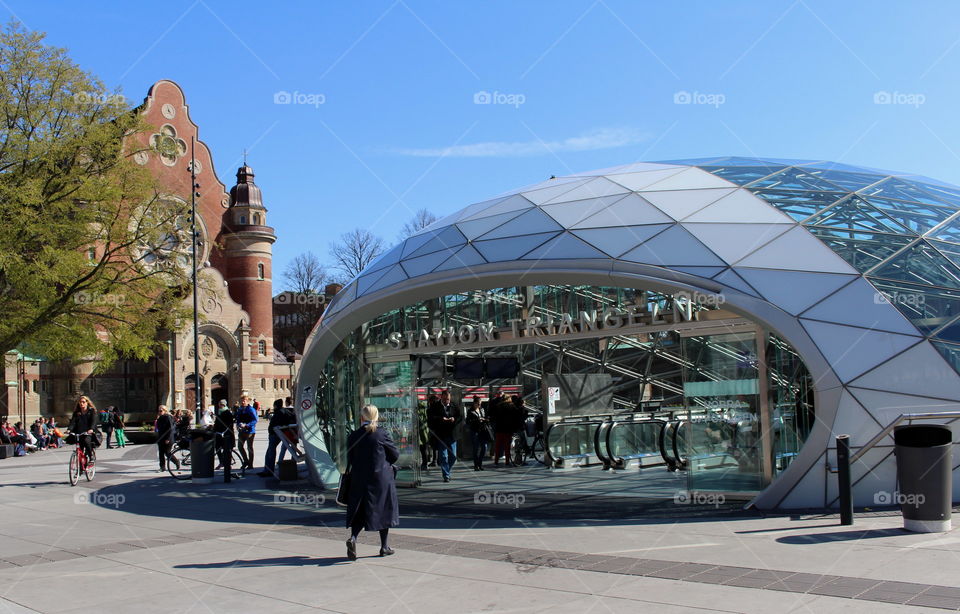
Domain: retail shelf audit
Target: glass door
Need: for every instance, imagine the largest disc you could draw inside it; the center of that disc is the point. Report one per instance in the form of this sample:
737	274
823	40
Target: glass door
391	387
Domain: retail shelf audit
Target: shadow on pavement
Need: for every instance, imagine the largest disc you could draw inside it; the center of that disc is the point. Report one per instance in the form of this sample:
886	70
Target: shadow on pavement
840	536
284	561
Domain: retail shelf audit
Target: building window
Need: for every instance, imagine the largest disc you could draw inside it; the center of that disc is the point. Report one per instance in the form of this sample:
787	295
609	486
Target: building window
262	347
256	219
243	219
36	386
260	271
91	254
263	383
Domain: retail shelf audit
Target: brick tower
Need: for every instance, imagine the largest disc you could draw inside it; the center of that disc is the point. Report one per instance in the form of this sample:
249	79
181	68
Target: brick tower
248	254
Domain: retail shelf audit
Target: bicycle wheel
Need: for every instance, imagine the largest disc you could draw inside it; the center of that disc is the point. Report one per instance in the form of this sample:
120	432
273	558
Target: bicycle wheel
538	451
91	467
74	469
238	466
178	464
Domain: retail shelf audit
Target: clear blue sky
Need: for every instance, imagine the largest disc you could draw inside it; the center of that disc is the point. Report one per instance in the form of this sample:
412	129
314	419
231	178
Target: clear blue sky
399	129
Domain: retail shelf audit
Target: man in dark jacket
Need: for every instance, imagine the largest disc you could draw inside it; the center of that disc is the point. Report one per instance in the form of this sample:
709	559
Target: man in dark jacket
443	416
106	423
281	416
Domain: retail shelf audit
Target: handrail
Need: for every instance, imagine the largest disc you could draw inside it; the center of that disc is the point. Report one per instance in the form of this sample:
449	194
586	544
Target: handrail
903	417
618	460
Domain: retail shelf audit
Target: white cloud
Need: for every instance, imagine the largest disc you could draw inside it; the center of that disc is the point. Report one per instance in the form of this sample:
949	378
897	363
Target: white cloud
603	138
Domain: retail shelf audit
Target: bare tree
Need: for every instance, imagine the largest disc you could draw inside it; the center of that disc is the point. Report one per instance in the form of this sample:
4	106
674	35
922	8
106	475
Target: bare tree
421	219
355	250
306	274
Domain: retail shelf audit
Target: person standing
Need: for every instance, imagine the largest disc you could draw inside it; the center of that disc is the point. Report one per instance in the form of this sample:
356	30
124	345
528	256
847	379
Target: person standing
443	416
247	430
208	417
166	427
372	502
423	434
281	416
106	423
118	428
504	425
226	439
479	433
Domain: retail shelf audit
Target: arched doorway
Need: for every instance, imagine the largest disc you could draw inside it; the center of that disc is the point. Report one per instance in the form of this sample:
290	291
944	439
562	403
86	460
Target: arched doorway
189	392
219	389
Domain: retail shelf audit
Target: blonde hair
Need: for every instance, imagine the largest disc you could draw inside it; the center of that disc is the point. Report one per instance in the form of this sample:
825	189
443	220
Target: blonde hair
370	414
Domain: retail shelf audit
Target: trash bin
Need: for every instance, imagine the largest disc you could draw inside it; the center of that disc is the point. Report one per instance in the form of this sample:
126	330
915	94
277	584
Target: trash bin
202	452
924	475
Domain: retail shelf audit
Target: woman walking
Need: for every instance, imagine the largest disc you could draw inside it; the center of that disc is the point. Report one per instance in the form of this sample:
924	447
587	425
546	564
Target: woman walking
118	426
166	428
372	503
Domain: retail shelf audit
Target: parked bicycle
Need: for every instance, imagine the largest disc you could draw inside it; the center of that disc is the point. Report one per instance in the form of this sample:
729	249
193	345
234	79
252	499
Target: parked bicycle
179	465
80	462
529	442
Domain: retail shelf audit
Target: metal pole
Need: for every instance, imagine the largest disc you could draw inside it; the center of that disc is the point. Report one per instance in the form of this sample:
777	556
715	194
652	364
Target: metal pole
843	480
197	388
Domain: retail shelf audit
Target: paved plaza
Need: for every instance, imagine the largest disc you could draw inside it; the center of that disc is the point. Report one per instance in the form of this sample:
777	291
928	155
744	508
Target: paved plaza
137	540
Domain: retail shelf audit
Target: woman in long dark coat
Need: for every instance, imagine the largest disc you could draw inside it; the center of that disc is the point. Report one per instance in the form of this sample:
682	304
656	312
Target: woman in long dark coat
372	504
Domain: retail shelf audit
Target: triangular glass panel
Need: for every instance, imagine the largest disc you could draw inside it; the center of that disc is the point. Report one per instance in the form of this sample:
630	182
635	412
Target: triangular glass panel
742	175
839	166
511	248
887	406
928	308
678	204
918	217
594	188
950	250
854	213
945	192
732	280
706	272
381	262
364	282
343	298
466	257
392	276
631	210
860	304
793	291
689	179
921	264
796	249
852	351
532	221
799	204
734	241
950	332
920	370
853	420
637	167
847	180
447	239
740	207
698	161
862	250
638	181
796	179
572	213
948	231
619	239
474	209
674	246
513	203
474	228
900	189
950	353
564	247
548	192
424	264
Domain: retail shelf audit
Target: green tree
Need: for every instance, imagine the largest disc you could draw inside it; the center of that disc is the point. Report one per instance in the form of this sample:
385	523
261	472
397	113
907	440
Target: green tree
91	251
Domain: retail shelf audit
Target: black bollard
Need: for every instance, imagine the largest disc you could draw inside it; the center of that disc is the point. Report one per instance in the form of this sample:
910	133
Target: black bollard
843	480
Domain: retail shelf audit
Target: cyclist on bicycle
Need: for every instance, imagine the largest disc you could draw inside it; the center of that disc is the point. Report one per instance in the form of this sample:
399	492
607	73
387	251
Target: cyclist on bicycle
84	424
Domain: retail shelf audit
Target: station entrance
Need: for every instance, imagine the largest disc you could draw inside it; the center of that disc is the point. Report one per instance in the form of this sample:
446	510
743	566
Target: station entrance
627	391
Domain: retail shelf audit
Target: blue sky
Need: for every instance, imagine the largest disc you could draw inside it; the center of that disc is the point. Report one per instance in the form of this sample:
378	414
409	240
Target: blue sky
572	86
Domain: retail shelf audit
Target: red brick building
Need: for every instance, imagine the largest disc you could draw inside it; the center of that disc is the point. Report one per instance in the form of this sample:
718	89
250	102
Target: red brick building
237	354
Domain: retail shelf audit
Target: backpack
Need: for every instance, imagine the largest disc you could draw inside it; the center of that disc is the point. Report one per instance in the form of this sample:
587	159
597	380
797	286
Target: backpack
106	418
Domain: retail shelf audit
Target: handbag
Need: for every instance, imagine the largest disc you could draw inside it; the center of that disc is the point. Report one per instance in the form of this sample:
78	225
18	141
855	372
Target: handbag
343	491
488	432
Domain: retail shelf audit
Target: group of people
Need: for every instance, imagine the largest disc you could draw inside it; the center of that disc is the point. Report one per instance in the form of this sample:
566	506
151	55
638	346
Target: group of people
41	435
111	424
493	425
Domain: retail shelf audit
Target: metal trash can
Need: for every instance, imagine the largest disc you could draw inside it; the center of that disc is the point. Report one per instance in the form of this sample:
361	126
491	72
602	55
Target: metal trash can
924	475
202	452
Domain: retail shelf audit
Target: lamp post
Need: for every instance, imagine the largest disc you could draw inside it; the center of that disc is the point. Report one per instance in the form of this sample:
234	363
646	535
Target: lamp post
197	385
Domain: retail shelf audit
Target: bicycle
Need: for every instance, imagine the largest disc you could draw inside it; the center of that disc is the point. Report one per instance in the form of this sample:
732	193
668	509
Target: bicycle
80	463
524	445
179	466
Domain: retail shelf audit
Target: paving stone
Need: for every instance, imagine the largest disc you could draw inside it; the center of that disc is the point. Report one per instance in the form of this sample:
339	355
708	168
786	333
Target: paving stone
942	591
903	587
791	587
61	555
875	594
748	582
933	601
